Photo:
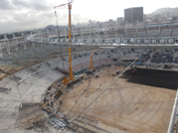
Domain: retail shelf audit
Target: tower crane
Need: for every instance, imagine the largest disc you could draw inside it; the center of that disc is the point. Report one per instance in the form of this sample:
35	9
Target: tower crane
71	76
91	60
91	69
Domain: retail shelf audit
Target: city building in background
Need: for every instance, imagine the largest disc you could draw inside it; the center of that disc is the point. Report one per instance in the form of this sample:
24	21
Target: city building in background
119	20
132	15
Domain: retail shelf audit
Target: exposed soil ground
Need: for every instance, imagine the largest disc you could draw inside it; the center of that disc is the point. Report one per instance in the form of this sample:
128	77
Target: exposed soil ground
125	106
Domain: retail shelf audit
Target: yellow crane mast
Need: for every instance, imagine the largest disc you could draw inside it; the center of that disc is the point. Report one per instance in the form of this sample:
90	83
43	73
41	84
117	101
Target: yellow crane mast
91	61
71	76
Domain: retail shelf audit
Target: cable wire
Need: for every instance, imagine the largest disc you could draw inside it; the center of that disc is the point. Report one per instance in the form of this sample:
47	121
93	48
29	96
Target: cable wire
23	94
102	92
20	97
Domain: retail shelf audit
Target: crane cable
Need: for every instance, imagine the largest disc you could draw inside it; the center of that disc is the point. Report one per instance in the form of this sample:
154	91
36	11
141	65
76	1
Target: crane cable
23	94
58	37
102	92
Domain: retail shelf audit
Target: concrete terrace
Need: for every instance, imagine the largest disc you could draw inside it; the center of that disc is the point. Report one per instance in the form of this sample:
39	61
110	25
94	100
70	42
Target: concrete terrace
32	87
32	82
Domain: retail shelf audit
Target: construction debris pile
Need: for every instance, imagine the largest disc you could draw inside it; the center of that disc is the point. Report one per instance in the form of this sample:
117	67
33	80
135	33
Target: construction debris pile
31	116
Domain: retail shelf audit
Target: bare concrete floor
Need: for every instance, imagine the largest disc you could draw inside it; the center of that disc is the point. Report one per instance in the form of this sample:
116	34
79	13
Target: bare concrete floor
124	107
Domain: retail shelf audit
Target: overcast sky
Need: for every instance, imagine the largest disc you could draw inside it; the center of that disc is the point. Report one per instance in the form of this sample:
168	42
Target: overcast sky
18	15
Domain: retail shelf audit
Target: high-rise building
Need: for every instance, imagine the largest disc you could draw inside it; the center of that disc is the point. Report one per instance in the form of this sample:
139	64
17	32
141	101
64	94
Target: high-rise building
132	15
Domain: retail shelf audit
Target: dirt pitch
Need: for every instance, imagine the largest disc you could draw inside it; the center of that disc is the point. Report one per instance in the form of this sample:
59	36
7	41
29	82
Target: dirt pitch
124	107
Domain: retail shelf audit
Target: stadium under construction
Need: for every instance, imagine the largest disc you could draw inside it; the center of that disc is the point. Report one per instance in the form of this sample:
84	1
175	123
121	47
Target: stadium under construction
108	79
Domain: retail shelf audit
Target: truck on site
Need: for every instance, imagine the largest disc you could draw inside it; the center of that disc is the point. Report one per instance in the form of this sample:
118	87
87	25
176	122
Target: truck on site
59	91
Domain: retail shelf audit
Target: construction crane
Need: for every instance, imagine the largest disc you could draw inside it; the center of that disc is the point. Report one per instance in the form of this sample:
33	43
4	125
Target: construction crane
91	69
91	60
71	76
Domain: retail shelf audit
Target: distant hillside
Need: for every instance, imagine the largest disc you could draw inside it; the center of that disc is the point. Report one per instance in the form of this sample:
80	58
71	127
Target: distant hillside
171	11
50	28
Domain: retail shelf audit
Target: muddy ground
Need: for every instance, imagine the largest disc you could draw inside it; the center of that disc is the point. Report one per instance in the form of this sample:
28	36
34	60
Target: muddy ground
125	106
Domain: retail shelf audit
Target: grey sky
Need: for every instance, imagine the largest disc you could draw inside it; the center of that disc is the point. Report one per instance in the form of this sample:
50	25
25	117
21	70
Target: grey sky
18	15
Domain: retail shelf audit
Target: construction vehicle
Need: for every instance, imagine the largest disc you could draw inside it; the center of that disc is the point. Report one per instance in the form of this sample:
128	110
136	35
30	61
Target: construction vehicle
58	94
60	91
91	69
71	79
168	66
77	79
114	75
134	71
91	59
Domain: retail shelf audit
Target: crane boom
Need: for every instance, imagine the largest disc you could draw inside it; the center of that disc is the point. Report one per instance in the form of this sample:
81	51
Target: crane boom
71	76
91	60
